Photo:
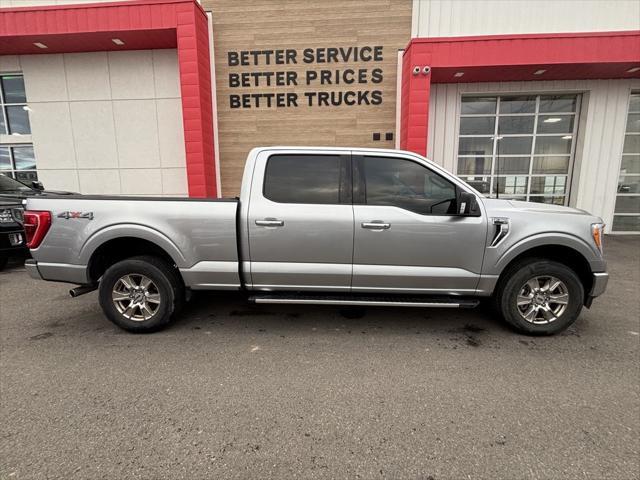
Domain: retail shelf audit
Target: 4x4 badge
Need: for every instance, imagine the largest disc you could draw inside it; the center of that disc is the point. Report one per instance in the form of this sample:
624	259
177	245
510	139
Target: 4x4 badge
78	215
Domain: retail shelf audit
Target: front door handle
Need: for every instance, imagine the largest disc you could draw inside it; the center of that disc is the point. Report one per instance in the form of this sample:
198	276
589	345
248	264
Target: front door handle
270	222
376	225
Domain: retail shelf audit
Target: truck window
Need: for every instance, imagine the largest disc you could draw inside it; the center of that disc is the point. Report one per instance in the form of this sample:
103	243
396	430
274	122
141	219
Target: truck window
406	184
304	178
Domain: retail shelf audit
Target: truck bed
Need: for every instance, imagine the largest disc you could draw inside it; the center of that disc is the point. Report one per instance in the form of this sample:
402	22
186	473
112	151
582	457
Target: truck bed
198	234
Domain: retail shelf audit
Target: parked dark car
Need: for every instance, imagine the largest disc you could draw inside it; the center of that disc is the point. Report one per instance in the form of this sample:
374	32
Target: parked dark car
12	236
13	189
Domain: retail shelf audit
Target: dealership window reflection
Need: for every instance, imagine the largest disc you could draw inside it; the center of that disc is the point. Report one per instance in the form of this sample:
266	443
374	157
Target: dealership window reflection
17	159
518	146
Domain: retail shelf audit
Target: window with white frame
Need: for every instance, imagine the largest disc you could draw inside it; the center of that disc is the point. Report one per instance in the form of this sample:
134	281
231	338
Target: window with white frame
626	217
518	146
17	159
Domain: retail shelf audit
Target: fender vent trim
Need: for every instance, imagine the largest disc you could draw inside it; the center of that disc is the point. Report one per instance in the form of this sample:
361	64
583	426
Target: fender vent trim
501	230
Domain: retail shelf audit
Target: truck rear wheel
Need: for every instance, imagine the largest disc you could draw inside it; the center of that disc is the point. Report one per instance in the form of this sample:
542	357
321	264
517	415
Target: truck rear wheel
540	297
140	294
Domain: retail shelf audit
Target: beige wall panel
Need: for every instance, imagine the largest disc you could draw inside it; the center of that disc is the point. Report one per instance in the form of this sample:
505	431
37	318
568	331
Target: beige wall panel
133	120
300	24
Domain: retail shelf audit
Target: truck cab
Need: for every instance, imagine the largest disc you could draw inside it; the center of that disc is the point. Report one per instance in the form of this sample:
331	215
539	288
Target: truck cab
359	221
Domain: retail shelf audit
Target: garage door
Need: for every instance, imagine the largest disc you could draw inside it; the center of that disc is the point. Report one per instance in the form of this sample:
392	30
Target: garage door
518	146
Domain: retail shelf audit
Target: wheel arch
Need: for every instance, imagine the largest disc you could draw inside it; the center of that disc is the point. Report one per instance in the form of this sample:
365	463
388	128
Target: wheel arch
113	245
561	253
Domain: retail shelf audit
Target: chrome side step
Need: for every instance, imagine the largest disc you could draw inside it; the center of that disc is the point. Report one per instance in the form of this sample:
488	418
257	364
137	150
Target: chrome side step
371	303
366	301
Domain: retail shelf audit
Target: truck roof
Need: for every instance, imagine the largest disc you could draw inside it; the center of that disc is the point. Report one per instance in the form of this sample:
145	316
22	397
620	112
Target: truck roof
332	149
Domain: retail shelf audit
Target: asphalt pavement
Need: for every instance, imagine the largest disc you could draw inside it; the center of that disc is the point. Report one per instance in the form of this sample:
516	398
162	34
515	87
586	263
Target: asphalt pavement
233	390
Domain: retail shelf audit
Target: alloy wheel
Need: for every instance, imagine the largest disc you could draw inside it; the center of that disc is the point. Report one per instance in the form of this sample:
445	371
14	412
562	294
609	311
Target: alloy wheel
542	299
136	297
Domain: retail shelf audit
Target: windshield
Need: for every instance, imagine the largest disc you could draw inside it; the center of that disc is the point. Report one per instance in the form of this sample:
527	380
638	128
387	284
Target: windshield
8	184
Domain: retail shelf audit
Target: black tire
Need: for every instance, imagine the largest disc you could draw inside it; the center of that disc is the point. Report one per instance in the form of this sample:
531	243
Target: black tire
3	262
514	280
166	284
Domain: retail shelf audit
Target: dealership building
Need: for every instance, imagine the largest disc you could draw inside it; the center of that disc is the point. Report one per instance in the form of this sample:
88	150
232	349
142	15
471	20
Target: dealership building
534	100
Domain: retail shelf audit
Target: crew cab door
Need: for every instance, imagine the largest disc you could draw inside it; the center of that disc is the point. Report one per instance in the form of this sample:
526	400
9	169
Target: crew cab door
300	221
407	235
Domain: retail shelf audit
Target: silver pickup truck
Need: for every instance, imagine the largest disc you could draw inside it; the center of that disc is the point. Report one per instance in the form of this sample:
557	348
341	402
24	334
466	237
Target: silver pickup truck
335	226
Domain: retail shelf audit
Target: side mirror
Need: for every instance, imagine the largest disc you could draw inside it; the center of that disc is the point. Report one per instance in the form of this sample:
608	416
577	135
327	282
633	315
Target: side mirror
37	185
467	205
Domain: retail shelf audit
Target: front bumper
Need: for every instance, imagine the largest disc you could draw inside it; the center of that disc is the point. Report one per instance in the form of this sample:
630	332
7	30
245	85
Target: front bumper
599	285
12	242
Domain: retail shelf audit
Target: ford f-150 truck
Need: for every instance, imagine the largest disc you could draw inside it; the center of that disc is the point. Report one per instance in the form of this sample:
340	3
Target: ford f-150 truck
335	226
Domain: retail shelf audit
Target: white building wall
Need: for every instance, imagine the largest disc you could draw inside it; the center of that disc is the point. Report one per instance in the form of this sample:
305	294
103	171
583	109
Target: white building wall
106	122
600	132
453	18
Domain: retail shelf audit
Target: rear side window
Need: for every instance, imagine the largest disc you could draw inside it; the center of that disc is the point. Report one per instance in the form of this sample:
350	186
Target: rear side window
305	178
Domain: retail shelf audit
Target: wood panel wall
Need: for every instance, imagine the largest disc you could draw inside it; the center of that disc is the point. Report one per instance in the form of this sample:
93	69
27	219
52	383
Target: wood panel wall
299	24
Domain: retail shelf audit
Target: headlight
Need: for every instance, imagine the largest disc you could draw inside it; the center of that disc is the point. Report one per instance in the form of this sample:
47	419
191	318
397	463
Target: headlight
597	232
5	216
18	214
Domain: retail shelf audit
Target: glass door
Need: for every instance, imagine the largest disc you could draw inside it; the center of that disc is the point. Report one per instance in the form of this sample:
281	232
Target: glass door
519	146
626	217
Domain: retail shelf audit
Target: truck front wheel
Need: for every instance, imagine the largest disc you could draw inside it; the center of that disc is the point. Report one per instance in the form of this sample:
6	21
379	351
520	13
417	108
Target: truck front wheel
140	294
540	297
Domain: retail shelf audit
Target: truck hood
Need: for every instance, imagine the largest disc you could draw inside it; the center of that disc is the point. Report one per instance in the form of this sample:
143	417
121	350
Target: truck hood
546	208
499	206
19	196
9	202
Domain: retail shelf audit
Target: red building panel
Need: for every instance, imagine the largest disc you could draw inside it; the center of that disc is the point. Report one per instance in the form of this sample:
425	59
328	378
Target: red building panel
140	24
506	58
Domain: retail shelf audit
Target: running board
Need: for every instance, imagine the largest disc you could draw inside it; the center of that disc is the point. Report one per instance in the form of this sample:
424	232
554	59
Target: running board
366	301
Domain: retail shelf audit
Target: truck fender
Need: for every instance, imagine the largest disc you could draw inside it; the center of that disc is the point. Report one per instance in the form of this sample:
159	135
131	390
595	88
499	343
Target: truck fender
550	239
112	232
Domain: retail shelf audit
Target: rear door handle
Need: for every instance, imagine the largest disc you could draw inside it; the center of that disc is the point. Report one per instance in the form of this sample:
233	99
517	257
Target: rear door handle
270	222
376	225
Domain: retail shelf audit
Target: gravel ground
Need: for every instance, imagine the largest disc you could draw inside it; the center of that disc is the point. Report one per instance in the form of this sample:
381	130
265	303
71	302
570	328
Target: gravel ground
239	391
